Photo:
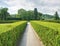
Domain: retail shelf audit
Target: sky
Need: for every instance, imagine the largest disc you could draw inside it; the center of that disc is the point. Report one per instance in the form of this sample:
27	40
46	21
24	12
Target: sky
43	6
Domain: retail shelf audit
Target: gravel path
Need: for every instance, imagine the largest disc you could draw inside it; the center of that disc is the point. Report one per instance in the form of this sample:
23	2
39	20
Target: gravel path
30	38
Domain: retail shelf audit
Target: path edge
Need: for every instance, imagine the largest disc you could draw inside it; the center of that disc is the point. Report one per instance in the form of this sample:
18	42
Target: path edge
37	36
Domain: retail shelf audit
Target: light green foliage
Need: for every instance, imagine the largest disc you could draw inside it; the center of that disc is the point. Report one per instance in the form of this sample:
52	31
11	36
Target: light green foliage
49	32
4	27
55	26
9	33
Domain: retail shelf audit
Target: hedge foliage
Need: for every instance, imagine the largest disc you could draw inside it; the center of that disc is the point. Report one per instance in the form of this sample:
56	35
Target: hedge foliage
49	36
55	21
10	36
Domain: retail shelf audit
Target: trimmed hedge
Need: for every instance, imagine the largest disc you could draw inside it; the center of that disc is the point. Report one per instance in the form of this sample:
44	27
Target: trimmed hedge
8	21
50	37
10	37
55	21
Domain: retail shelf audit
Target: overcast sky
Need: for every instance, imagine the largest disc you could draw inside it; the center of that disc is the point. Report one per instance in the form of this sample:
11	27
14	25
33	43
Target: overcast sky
44	6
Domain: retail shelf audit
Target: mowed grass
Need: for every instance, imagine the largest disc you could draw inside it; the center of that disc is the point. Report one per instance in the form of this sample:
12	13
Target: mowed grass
49	32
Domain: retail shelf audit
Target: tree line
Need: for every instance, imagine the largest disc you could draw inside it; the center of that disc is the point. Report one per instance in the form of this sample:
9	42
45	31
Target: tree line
26	15
4	13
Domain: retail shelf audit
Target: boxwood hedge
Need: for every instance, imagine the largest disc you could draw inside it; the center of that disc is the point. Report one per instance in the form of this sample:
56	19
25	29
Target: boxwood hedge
10	37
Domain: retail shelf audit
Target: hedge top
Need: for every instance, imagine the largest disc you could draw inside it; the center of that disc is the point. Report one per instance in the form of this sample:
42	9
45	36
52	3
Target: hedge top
55	26
9	26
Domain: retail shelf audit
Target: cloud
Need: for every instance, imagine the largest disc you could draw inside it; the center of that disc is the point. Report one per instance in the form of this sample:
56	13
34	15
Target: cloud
44	6
3	4
17	4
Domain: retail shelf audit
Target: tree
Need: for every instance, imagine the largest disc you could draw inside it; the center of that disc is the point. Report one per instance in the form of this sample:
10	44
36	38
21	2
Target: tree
40	16
35	13
30	14
4	13
22	13
56	16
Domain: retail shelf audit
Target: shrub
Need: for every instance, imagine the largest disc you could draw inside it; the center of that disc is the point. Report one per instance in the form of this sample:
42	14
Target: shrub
50	36
10	37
